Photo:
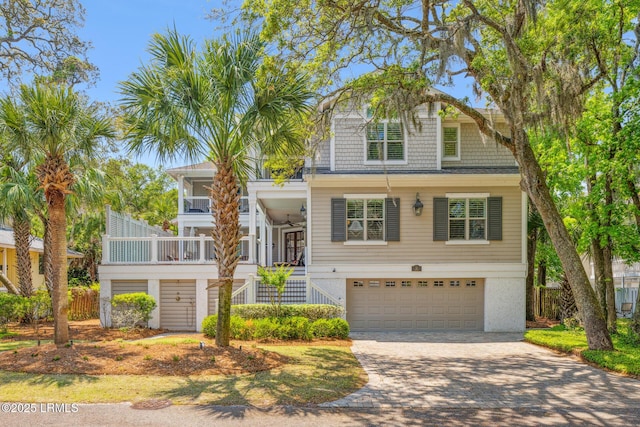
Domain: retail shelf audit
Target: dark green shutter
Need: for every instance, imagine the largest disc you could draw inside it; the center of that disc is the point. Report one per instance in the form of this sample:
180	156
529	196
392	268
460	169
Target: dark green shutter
494	220
440	219
338	220
392	219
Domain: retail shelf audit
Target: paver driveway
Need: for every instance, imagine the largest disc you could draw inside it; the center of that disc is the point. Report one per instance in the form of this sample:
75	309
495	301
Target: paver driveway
481	371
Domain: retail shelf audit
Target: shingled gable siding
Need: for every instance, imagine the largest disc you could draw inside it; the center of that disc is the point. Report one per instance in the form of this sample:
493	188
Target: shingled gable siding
349	135
416	245
441	218
476	151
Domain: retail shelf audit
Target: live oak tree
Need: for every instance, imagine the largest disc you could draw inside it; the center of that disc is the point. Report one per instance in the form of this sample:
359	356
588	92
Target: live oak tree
534	60
39	36
223	104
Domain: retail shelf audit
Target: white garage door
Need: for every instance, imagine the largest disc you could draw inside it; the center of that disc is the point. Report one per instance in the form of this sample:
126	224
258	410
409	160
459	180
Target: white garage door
178	305
408	304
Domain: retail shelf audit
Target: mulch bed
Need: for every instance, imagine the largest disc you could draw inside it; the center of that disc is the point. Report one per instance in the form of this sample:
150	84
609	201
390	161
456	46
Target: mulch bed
541	323
115	358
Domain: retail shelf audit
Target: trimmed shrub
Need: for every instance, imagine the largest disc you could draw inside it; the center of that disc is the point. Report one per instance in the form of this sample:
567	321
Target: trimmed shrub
209	325
129	310
339	328
310	311
37	306
330	328
241	329
11	309
265	328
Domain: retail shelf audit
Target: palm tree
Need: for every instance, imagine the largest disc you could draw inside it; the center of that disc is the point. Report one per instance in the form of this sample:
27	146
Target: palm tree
53	127
222	104
18	192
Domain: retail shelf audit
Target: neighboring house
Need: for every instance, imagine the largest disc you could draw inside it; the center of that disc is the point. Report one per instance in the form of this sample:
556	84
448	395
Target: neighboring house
407	227
8	259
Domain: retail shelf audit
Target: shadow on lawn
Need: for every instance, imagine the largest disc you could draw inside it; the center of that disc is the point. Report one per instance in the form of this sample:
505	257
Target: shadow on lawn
20	378
318	375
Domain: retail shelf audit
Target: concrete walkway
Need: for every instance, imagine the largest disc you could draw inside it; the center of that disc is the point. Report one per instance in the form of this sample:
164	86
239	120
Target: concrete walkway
480	371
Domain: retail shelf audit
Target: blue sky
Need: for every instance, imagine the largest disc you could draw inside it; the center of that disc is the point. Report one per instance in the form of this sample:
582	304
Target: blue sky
121	30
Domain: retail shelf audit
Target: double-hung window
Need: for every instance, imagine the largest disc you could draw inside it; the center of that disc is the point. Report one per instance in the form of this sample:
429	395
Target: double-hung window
365	219
451	142
385	141
467	219
471	218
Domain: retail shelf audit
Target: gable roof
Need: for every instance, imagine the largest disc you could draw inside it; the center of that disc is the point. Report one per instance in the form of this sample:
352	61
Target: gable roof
37	244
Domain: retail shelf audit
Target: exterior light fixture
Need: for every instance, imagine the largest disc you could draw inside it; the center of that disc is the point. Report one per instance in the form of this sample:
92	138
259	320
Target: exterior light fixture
303	212
418	206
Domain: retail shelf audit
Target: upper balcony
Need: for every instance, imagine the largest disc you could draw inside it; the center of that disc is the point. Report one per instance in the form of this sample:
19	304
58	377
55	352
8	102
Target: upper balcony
198	205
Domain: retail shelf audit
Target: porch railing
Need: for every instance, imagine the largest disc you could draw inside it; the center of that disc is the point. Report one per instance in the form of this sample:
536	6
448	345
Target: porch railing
297	291
155	250
202	204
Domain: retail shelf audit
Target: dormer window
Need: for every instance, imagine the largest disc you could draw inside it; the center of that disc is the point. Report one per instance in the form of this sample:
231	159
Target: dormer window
385	142
451	142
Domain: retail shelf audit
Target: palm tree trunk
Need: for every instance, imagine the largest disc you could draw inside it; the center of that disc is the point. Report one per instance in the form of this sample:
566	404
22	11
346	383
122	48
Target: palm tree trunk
22	237
225	200
534	183
11	288
56	179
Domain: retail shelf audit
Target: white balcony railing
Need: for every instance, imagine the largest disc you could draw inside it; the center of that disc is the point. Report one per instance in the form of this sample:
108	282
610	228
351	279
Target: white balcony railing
163	250
202	204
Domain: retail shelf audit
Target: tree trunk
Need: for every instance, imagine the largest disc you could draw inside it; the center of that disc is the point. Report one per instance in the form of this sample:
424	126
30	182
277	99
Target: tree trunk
46	254
610	292
567	302
542	273
11	288
532	242
225	200
533	182
597	255
60	300
22	237
56	180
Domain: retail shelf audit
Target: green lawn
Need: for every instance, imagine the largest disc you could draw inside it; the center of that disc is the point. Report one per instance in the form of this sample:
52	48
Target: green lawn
624	359
314	374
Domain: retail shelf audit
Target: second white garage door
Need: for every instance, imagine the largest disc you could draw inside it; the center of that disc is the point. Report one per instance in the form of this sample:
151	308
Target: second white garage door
410	304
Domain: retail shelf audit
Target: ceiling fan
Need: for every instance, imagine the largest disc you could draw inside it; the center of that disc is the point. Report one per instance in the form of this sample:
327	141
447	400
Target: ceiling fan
290	223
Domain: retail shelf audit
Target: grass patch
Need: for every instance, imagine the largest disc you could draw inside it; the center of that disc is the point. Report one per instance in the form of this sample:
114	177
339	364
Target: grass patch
624	359
315	374
13	345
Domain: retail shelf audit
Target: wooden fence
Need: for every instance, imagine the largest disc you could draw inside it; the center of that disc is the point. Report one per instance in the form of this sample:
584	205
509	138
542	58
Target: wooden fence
84	304
546	303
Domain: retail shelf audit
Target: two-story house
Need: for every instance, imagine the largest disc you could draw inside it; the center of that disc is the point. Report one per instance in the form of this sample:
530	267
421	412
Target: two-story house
407	226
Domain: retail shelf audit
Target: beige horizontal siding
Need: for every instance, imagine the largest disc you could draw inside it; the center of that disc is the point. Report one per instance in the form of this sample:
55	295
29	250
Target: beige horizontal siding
178	315
416	245
128	287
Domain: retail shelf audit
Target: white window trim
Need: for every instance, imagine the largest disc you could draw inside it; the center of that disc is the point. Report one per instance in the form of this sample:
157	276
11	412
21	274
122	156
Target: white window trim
405	136
366	197
468	196
451	158
365	243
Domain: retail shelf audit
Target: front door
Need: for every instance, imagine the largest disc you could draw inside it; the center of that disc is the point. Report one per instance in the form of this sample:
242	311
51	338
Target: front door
294	245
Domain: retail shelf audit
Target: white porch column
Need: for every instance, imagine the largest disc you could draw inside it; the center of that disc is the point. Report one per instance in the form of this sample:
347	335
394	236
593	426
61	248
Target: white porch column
105	302
263	238
253	201
180	204
153	289
202	299
269	245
